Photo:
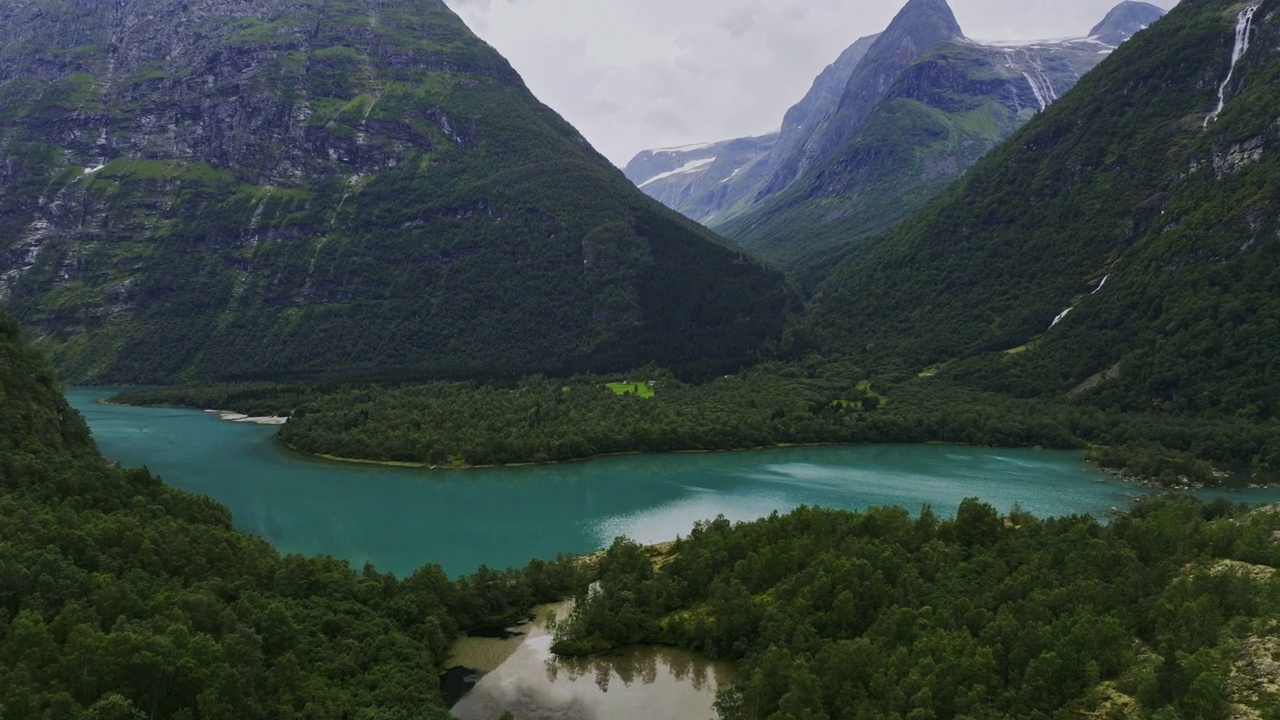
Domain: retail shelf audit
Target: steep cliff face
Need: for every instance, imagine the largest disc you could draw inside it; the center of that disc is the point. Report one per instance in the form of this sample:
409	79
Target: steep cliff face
920	25
919	107
946	110
229	189
1122	245
714	191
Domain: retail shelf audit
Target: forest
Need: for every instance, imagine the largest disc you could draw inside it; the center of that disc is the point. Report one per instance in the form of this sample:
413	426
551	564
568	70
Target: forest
1169	612
812	401
122	598
1121	202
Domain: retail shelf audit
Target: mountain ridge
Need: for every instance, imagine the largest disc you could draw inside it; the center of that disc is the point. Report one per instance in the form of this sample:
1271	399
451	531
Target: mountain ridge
228	190
918	26
1115	249
943	110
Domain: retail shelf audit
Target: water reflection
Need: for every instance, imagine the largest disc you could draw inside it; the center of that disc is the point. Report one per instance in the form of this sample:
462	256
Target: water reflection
641	682
637	665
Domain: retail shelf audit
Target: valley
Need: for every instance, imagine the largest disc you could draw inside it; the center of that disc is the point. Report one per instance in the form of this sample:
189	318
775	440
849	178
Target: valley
964	406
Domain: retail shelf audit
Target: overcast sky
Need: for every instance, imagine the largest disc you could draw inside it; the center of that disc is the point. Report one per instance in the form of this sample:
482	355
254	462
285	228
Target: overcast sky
633	75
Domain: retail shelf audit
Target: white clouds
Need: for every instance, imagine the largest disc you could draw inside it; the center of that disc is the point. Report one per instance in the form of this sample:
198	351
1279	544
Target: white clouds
637	74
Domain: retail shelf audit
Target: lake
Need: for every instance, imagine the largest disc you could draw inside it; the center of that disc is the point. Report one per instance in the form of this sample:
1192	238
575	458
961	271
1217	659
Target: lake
401	518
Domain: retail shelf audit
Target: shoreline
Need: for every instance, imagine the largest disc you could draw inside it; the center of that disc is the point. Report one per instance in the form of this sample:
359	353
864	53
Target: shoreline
624	453
226	415
277	421
232	416
1119	476
589	458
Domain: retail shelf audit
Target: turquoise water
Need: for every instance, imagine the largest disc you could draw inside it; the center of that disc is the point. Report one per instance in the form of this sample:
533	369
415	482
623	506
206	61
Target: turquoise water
399	519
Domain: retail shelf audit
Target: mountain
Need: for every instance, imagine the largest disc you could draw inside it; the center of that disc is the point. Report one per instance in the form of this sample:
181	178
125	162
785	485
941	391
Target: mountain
920	25
921	105
299	188
701	180
1120	248
1124	20
711	191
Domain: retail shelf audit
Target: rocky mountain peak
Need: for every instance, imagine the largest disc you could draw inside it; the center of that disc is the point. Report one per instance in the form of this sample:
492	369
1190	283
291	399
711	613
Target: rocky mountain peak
1124	20
920	25
932	19
919	72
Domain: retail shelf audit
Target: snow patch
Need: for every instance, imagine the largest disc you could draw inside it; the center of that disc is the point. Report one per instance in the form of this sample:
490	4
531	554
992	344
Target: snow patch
732	175
1019	44
689	167
94	169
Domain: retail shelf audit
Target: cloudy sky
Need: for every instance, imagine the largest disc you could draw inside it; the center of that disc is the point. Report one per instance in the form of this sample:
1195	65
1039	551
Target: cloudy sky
640	74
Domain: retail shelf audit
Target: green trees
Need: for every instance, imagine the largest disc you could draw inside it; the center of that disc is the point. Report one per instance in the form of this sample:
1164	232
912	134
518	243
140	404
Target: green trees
1117	201
872	615
122	598
811	401
429	218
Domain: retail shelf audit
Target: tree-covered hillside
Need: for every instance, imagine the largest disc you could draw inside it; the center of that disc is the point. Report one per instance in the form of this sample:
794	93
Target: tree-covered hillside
1131	203
331	188
123	598
1167	613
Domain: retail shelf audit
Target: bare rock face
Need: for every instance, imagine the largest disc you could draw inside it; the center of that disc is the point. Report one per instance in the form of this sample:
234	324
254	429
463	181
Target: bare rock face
1256	676
218	188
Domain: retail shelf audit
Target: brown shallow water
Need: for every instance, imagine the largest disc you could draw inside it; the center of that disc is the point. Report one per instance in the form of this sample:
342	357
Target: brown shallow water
523	676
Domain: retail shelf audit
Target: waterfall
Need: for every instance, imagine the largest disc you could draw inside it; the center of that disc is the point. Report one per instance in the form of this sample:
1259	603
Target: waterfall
1045	84
1063	315
1244	25
1035	90
1041	86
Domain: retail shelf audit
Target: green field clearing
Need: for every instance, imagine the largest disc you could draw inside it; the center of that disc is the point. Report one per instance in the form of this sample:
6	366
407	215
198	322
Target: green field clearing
644	390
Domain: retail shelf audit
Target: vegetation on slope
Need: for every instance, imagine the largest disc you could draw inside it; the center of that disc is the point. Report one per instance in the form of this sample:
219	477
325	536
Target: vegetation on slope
1164	613
123	598
941	116
809	402
334	189
1118	202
